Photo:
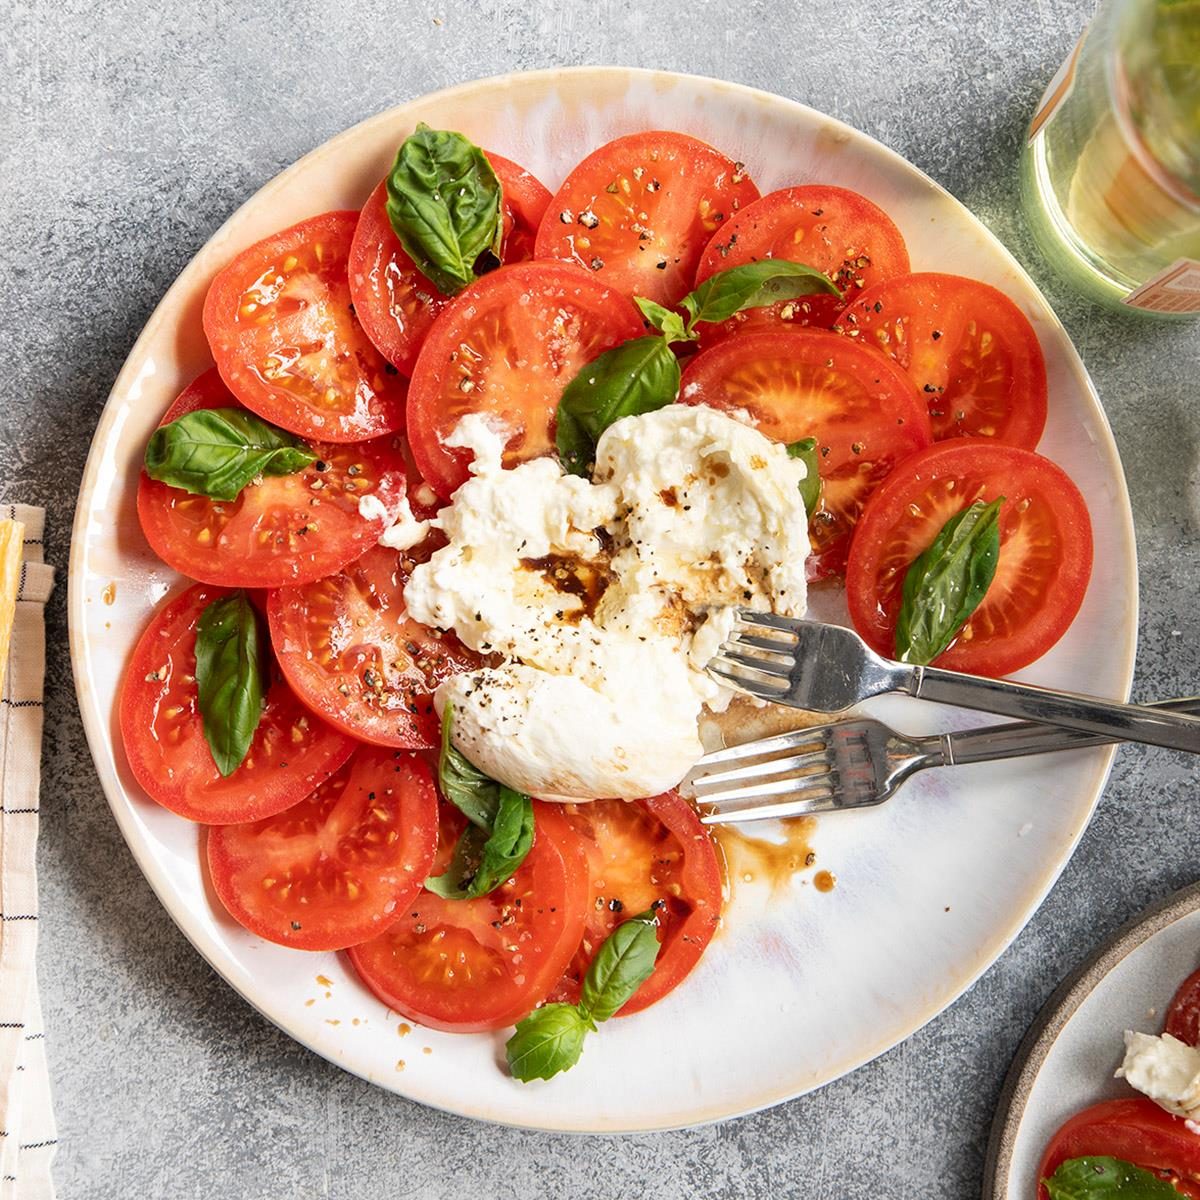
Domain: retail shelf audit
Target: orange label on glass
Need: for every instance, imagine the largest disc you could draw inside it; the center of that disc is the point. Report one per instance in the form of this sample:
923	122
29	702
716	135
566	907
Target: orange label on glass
1175	290
1059	89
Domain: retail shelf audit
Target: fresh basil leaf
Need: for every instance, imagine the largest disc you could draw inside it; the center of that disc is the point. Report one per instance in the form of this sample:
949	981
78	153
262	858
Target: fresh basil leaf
621	965
217	451
810	487
666	320
635	377
444	205
753	285
474	794
546	1042
946	584
229	678
1102	1178
483	861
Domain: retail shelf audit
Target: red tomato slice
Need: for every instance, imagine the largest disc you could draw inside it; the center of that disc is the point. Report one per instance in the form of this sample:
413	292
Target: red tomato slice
835	230
639	211
643	853
287	529
338	868
1135	1130
470	965
799	383
355	657
967	347
1183	1017
292	753
395	303
508	346
282	328
1045	550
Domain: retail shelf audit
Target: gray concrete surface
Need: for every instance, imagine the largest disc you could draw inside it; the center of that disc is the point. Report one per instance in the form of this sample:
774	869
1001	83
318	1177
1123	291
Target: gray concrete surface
128	131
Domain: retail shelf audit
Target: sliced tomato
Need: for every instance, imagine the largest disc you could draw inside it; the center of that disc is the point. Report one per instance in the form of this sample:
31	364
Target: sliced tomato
643	854
284	529
639	211
1045	550
293	751
831	228
355	657
1183	1016
1135	1130
395	303
339	867
967	347
281	325
470	965
799	383
508	346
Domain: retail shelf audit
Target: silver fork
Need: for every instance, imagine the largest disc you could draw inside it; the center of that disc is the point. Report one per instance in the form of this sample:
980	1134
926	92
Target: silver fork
825	668
859	763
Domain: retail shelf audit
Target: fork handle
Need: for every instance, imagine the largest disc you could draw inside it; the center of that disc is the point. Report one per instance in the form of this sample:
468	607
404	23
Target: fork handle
1029	737
1120	722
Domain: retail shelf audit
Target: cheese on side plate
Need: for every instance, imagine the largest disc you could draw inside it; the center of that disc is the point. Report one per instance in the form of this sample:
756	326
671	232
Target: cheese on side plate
1165	1069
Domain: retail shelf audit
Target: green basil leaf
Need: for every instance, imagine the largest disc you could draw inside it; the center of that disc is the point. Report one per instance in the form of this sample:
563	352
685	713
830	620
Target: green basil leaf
444	205
621	965
1102	1178
810	487
635	377
946	584
546	1042
229	678
474	794
217	451
482	861
751	286
666	320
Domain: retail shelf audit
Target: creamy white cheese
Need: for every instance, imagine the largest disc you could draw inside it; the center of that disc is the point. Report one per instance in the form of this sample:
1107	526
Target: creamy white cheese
371	508
1165	1069
406	531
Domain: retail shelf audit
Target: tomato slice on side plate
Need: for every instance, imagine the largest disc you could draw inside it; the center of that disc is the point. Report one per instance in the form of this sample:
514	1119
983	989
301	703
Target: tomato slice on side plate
1045	550
339	867
286	529
1183	1016
640	210
508	346
643	853
967	347
281	325
470	965
355	657
293	752
796	383
395	303
1135	1130
833	229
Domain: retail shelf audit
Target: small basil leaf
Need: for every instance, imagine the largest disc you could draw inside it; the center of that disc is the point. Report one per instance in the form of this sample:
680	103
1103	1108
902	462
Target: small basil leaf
946	584
217	451
1102	1178
546	1042
810	486
482	861
444	205
666	320
474	794
622	964
753	285
229	678
635	377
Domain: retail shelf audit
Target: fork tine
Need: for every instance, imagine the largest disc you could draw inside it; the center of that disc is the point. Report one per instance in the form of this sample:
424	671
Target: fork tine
768	666
792	763
813	735
749	616
775	810
770	645
730	799
739	679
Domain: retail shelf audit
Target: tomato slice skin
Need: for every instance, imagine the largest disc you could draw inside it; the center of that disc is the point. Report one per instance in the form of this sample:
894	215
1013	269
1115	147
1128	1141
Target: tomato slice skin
288	529
833	229
393	301
339	867
473	965
639	211
796	383
508	346
967	348
1133	1129
643	853
351	653
1183	1015
292	753
282	328
1045	550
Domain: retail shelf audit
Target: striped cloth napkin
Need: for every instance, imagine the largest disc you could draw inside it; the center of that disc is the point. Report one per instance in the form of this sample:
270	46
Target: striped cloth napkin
27	1130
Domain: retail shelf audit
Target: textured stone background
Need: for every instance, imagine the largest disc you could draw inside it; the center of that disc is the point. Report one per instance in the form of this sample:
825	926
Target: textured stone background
128	131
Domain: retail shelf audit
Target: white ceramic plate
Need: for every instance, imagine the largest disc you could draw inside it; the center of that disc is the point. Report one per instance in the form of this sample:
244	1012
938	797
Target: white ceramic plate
795	992
1068	1057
